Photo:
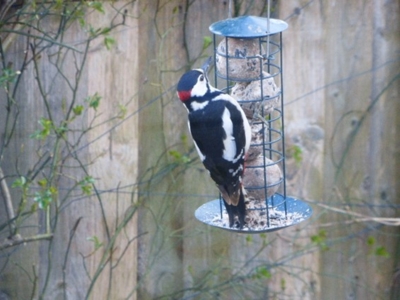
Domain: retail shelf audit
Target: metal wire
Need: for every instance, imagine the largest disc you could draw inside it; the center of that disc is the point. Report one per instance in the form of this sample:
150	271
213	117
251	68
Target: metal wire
271	123
268	25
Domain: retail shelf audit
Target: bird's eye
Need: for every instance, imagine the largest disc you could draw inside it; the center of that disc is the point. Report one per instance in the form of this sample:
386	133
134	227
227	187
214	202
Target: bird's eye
201	78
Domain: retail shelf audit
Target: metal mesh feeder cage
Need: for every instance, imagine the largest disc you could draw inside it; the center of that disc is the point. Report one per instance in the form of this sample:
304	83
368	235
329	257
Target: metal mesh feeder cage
248	66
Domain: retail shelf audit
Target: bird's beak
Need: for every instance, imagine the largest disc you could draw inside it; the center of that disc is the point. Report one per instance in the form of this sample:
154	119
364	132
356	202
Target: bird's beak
206	65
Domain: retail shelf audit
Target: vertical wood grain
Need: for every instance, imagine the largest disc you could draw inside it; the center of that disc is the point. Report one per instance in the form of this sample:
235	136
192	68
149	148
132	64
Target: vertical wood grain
108	152
343	56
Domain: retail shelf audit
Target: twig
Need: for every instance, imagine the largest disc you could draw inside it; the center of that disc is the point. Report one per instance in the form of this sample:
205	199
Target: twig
362	218
7	202
5	7
64	266
17	240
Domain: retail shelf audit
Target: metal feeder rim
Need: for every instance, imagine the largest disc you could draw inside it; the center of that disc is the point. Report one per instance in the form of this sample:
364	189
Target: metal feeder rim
272	201
271	142
236	79
261	187
270	121
211	209
265	99
272	53
274	44
276	161
273	163
233	78
247	27
269	200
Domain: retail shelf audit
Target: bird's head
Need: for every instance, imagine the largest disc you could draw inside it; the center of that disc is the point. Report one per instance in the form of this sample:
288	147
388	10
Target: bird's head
194	84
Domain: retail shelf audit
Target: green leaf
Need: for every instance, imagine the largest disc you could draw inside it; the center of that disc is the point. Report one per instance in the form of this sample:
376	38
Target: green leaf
122	111
105	30
283	284
297	153
33	4
96	241
34	207
94	101
58	4
179	157
184	138
82	22
61	130
262	272
78	110
207	40
89	179
175	154
87	185
64	104
53	190
19	182
371	241
46	125
190	270
93	32
8	75
44	198
381	251
109	42
320	239
97	6
42	182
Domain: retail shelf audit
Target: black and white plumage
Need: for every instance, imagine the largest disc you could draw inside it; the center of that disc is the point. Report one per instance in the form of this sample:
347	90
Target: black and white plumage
221	134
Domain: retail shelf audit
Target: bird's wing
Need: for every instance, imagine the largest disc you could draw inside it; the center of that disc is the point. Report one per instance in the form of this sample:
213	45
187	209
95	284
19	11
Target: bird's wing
211	140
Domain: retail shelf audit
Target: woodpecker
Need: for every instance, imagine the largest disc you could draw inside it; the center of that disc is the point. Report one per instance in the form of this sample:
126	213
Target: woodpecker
221	135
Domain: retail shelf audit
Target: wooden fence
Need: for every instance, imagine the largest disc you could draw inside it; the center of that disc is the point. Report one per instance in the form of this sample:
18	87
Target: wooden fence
135	236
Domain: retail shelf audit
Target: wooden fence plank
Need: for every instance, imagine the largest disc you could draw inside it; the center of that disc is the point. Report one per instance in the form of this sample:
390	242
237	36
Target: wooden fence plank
68	265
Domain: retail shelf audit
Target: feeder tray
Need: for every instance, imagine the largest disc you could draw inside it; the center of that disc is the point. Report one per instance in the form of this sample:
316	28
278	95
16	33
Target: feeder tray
287	213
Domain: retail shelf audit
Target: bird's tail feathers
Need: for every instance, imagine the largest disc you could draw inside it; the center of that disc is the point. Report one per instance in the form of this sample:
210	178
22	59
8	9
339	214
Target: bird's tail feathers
231	194
238	209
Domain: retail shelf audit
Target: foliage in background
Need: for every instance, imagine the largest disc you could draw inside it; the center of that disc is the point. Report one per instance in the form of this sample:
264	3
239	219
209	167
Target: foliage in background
35	195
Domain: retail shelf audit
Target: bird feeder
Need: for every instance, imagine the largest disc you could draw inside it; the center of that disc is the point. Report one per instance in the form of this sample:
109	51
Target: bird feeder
248	66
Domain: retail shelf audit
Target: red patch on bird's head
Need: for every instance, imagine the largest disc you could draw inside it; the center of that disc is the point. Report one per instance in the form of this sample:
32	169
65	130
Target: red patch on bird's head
184	95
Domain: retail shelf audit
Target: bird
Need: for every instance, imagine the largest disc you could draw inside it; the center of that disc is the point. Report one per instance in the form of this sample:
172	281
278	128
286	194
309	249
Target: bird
221	134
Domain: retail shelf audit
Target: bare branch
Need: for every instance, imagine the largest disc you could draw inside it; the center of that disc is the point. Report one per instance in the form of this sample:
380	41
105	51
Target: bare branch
17	240
7	201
